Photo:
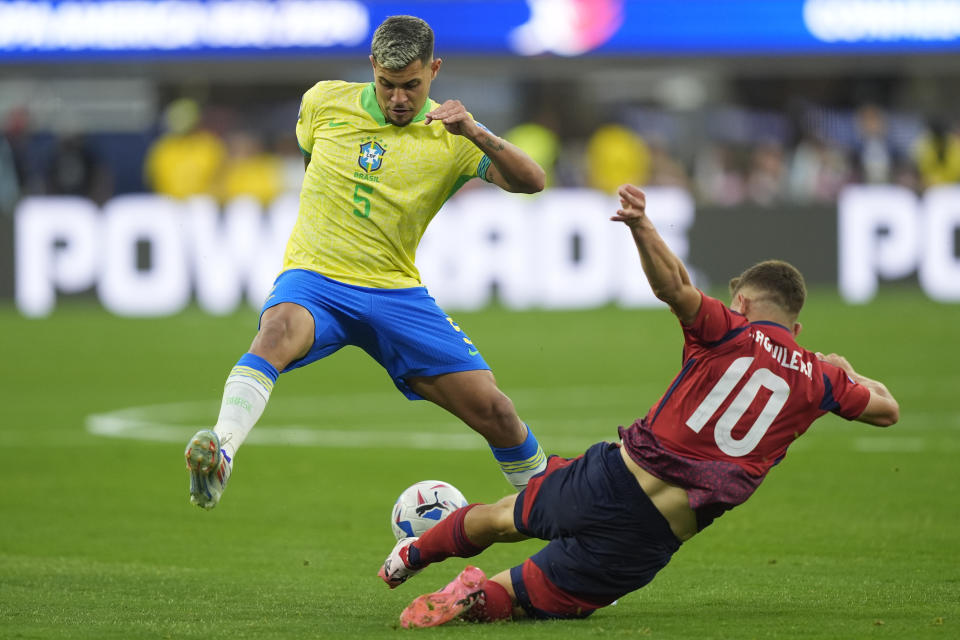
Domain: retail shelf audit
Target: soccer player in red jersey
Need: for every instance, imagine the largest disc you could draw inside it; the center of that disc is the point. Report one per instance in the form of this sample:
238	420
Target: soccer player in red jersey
615	515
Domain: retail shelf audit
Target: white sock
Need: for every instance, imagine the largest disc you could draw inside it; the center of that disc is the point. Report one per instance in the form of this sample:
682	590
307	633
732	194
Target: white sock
244	400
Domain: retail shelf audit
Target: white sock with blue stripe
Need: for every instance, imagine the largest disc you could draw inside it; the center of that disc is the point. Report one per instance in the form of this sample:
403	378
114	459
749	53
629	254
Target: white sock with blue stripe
522	462
245	397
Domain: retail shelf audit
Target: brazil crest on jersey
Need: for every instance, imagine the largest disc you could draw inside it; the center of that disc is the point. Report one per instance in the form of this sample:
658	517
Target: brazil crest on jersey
371	187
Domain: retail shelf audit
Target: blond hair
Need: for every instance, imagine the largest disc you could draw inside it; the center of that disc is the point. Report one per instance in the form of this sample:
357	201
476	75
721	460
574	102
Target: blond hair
399	40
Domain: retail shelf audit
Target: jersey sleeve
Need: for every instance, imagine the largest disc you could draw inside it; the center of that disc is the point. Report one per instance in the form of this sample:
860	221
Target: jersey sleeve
306	118
842	395
713	322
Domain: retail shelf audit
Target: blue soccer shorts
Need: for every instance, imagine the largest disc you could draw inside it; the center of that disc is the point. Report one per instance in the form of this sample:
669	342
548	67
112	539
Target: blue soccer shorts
606	537
402	329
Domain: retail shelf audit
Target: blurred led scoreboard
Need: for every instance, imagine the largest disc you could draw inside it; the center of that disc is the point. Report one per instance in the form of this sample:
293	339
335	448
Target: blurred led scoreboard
57	31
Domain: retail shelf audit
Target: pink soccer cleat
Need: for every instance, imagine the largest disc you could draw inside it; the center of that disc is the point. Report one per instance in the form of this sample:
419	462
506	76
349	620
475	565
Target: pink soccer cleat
433	609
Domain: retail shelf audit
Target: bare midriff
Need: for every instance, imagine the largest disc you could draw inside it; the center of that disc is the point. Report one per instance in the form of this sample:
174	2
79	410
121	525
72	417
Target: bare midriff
670	500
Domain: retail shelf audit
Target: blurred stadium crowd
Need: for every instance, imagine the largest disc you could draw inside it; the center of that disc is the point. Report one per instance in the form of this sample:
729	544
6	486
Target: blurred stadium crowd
726	153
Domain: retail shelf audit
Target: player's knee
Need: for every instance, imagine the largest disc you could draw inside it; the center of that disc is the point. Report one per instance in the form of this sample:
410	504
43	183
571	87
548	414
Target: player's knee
279	341
272	336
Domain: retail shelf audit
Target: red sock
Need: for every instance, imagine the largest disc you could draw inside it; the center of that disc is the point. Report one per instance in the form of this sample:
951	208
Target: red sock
496	604
445	539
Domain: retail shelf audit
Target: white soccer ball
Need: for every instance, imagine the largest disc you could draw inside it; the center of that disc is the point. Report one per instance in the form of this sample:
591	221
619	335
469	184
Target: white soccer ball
423	505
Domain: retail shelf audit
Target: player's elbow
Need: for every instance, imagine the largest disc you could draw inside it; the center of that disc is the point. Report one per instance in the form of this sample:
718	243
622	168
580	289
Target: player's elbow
532	180
886	415
534	183
891	417
669	291
664	293
539	181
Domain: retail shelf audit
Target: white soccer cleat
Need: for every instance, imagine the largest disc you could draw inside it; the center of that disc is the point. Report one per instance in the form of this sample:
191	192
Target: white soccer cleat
209	467
395	570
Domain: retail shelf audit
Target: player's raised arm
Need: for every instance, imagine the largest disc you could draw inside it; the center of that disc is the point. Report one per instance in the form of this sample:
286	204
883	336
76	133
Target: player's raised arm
882	410
665	272
511	168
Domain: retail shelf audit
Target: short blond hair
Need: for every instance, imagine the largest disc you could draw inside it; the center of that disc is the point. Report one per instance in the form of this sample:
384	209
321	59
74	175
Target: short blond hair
399	40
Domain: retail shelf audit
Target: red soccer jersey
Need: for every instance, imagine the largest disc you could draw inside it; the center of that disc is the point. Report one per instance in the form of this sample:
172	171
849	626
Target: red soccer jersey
745	393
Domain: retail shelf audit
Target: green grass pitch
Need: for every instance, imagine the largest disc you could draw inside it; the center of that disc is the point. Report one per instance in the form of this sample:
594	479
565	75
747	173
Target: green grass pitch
855	535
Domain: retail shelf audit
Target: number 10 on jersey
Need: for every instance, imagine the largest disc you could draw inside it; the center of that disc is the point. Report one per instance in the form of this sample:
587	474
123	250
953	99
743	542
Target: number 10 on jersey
723	431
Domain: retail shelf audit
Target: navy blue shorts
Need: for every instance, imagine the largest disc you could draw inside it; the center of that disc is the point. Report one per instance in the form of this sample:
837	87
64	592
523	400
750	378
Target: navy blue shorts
402	329
606	537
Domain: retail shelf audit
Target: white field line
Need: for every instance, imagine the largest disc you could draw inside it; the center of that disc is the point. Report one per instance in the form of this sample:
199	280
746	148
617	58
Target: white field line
341	423
165	423
173	422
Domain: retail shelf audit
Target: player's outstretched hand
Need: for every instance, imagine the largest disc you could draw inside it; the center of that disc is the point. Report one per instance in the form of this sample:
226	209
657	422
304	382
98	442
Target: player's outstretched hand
633	205
453	115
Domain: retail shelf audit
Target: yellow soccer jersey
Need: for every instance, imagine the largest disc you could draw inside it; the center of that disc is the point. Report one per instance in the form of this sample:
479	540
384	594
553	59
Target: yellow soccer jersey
371	187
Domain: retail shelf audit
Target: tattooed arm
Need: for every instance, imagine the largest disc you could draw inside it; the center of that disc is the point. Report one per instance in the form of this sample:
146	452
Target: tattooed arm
510	168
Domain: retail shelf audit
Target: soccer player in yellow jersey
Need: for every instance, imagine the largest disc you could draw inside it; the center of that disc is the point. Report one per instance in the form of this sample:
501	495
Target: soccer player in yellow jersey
381	158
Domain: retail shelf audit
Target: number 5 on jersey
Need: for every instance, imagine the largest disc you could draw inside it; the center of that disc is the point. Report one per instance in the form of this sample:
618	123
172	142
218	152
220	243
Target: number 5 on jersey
358	198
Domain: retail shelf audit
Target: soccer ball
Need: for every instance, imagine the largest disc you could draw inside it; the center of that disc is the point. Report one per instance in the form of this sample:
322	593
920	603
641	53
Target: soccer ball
423	505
